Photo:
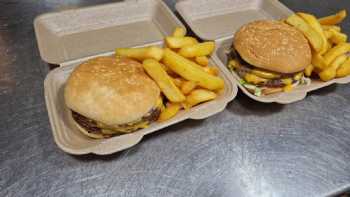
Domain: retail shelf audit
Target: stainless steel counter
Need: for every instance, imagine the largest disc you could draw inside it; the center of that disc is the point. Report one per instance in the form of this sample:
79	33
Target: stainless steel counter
250	149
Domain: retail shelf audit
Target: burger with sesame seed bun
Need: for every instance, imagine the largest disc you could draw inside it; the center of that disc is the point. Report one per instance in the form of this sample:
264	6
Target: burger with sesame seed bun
269	57
110	96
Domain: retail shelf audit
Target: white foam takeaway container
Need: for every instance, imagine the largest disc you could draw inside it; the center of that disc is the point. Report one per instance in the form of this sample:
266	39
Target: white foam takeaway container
218	20
70	37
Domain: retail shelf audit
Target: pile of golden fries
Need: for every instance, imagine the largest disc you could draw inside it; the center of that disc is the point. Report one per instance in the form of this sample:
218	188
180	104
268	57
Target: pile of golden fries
329	45
181	70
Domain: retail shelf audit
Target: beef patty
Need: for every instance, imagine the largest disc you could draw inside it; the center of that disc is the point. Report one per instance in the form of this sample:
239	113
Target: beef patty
247	68
91	126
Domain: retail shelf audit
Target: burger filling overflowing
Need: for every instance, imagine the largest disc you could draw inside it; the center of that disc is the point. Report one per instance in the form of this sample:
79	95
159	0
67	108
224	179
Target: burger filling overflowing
262	82
95	127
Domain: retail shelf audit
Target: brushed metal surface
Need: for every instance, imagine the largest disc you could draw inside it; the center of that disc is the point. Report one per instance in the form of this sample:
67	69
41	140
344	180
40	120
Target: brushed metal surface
250	149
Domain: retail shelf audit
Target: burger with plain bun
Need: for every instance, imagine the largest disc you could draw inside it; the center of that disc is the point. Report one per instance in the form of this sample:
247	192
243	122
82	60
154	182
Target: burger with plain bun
269	57
109	96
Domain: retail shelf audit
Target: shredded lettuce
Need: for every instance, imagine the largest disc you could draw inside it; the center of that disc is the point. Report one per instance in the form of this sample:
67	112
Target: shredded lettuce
242	82
257	91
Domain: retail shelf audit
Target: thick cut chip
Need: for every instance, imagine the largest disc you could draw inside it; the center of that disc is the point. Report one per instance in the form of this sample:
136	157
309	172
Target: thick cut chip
179	32
313	22
331	71
198	96
336	51
333	19
141	53
314	38
179	42
191	71
308	70
169	111
196	50
202	60
188	86
338	37
164	81
334	27
344	69
318	61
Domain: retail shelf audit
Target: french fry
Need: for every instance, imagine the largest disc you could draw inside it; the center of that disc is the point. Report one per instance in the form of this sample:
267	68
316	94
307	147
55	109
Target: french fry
158	74
202	60
141	53
330	72
198	96
333	19
188	86
328	34
336	51
178	81
334	27
191	71
338	37
344	69
211	70
329	45
313	22
185	106
167	70
314	38
179	32
179	42
170	111
327	74
318	62
308	70
338	61
200	49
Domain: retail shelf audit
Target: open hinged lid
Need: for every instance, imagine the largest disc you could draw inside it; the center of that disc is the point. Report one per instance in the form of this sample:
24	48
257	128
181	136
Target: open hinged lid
77	33
71	37
212	20
218	20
